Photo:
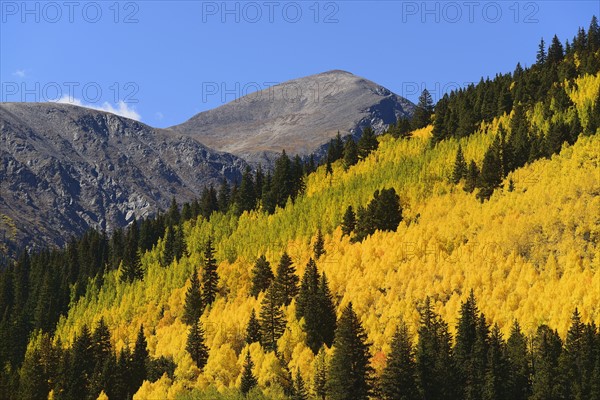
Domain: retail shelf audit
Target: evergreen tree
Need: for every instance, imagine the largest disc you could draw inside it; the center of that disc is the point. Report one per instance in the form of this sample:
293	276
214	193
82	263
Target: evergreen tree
497	371
210	278
249	381
399	379
139	359
173	215
350	153
327	312
169	251
262	276
300	392
282	180
223	196
519	385
348	221
367	143
547	348
422	114
132	266
555	52
272	320
286	280
460	167
472	178
541	54
319	246
192	309
491	172
435	363
466	337
253	329
195	345
350	374
308	289
320	376
246	199
309	306
81	366
364	225
208	202
33	383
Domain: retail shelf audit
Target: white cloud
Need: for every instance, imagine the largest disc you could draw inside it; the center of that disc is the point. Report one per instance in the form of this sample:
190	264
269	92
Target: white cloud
20	73
159	115
122	109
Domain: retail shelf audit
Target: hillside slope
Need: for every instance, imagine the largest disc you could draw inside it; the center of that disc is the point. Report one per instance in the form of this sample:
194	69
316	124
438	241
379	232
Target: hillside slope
518	251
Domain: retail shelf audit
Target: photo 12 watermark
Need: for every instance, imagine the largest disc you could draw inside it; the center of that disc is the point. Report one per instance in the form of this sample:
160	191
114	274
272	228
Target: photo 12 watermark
270	92
253	12
69	91
437	90
453	12
53	12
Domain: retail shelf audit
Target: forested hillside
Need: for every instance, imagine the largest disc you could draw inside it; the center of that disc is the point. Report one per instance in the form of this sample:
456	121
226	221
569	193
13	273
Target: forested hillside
456	256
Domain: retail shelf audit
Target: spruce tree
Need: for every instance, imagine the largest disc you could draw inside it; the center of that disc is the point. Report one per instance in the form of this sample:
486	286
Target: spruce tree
246	199
300	392
308	289
249	381
286	280
169	251
223	196
541	54
253	329
348	222
210	278
472	178
555	52
460	167
192	309
422	114
195	345
435	363
399	379
81	366
319	246
320	376
139	360
547	347
497	371
491	172
350	373
33	383
132	266
327	312
350	153
367	143
519	385
272	320
262	276
282	184
466	336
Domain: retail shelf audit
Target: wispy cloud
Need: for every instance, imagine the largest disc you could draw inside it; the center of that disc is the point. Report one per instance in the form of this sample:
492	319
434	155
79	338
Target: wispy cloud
122	109
159	115
20	73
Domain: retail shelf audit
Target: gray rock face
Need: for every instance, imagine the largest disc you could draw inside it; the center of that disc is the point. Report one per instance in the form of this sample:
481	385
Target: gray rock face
299	116
65	168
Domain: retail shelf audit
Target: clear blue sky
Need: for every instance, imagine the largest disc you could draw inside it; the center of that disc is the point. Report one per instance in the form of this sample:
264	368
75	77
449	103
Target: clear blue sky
164	60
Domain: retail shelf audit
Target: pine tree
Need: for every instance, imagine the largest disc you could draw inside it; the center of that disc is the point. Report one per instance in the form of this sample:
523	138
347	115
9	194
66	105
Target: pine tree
195	345
169	251
320	375
399	379
519	385
541	54
435	364
282	180
472	178
249	381
132	267
223	196
300	392
547	348
348	221
262	276
319	246
192	309
460	167
272	320
466	336
253	329
139	359
422	114
308	306
555	52
367	143
350	153
81	366
173	215
497	371
286	280
327	312
210	278
246	199
33	383
491	172
350	374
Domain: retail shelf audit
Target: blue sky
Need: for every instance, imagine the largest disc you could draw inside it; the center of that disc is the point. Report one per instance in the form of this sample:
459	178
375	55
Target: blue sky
162	62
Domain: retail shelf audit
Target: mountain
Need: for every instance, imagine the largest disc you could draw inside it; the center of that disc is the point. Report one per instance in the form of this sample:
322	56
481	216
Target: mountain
299	115
64	169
